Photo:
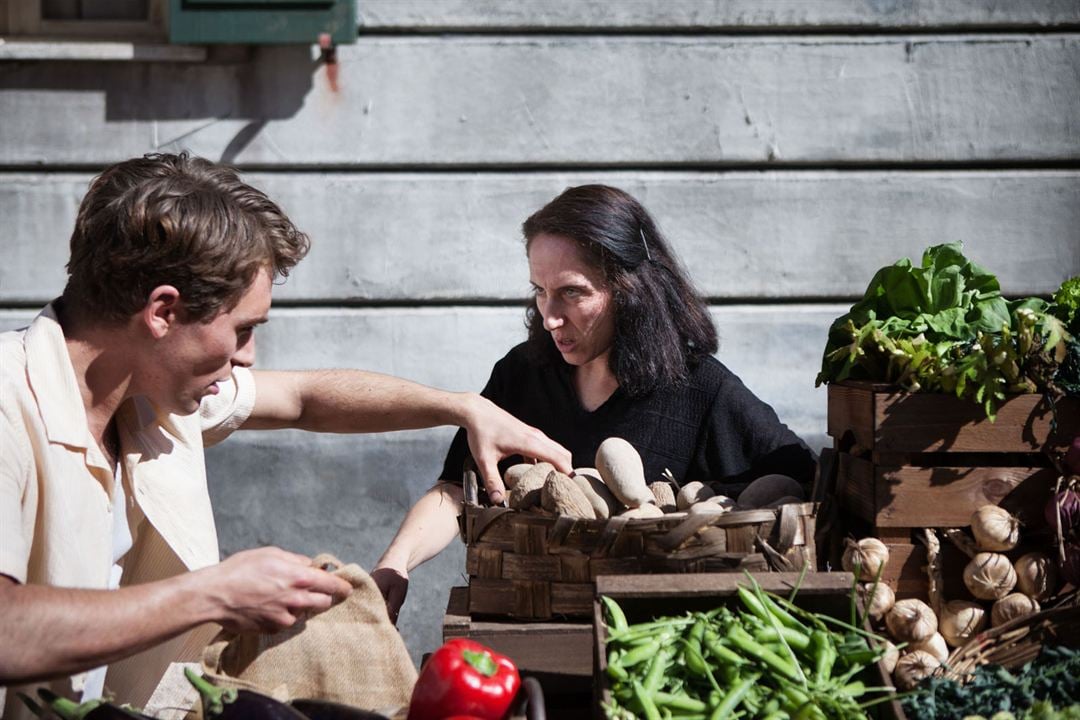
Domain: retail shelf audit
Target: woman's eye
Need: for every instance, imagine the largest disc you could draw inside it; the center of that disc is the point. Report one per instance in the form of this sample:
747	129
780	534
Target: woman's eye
572	292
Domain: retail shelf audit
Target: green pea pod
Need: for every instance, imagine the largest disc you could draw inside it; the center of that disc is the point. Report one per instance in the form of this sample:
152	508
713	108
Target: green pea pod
748	646
658	665
794	638
615	616
695	663
648	707
615	670
679	702
733	698
824	654
639	654
724	654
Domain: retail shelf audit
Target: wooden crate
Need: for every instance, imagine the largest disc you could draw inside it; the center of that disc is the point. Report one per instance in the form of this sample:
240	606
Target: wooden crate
643	597
909	461
529	565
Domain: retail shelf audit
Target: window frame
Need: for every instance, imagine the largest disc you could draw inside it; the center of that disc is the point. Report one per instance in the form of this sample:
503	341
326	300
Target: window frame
21	19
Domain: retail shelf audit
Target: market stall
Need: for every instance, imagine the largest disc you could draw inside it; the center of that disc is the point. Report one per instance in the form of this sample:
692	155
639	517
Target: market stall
931	572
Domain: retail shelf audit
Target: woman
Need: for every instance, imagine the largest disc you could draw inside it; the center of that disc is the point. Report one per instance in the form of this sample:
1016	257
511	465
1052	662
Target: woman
619	345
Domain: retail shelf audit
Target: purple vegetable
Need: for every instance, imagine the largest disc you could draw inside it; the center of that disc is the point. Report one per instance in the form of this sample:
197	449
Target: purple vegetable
1070	568
1067	503
1072	457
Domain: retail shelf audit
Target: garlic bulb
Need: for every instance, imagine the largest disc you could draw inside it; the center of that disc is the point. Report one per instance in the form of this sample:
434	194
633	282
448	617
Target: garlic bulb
888	660
935	645
994	528
1036	575
1011	607
989	576
911	620
881	602
865	558
960	621
913	667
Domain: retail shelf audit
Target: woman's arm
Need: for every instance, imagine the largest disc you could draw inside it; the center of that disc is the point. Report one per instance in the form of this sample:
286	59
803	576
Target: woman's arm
430	525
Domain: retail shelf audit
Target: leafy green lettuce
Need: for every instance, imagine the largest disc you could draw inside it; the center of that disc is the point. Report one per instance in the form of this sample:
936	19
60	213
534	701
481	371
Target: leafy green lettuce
943	326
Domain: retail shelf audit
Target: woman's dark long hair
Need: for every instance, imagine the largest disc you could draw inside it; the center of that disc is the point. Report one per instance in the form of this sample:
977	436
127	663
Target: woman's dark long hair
662	325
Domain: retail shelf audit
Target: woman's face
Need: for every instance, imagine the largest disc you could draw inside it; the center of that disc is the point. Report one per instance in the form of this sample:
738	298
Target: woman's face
572	298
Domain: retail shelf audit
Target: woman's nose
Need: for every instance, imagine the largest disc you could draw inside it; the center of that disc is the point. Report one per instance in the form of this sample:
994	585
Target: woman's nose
552	319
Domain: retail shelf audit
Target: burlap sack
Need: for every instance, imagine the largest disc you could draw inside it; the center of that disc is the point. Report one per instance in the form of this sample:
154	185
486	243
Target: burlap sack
348	654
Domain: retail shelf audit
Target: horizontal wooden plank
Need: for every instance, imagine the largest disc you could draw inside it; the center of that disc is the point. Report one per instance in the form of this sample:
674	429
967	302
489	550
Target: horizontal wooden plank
947	496
902	422
776	350
491	15
456	236
566	100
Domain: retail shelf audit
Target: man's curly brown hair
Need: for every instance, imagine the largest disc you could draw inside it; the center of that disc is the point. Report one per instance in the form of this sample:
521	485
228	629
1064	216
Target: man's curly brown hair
175	220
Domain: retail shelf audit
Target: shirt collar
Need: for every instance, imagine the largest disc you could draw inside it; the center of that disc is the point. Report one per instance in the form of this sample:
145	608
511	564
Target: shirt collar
52	378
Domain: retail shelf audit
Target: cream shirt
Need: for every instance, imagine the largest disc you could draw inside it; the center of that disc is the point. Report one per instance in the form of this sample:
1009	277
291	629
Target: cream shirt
56	491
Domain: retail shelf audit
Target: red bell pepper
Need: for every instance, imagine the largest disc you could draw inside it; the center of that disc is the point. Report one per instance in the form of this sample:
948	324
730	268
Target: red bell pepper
465	678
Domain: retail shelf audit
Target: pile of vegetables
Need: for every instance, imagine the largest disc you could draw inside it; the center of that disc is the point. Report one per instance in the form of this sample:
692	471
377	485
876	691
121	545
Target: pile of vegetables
617	486
216	703
944	327
767	658
1032	691
1000	587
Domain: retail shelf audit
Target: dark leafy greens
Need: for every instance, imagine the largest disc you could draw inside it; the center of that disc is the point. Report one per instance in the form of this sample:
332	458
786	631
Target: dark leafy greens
1053	677
943	326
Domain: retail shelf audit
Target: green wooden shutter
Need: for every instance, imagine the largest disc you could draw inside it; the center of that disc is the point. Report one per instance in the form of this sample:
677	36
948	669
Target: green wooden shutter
261	22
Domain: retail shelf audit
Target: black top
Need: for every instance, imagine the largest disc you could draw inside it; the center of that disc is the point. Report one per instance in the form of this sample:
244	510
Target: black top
712	428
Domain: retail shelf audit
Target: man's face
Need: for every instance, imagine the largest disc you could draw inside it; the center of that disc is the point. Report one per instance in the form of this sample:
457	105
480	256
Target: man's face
194	357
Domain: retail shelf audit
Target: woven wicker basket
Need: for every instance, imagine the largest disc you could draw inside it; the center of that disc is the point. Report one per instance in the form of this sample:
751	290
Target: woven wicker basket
1018	641
532	565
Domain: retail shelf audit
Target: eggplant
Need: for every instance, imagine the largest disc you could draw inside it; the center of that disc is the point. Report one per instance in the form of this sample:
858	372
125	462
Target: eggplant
234	704
324	710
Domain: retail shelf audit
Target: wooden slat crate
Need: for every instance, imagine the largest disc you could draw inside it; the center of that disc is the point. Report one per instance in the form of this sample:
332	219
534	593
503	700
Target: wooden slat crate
909	461
538	566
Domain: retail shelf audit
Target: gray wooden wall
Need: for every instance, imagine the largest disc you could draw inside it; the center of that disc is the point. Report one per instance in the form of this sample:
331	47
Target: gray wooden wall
789	148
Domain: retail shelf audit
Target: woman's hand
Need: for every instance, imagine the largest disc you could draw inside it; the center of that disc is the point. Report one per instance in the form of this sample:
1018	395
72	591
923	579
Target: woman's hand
394	586
495	434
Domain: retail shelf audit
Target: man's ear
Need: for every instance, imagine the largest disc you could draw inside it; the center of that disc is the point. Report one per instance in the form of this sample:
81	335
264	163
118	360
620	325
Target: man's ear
163	310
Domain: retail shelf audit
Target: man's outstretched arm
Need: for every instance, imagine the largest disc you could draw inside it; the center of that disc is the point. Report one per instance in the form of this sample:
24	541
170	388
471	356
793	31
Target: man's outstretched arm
352	401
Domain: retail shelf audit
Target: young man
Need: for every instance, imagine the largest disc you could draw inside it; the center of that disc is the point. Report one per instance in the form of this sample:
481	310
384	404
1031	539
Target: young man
107	400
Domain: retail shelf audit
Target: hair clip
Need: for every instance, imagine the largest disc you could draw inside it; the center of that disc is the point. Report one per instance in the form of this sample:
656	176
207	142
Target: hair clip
648	255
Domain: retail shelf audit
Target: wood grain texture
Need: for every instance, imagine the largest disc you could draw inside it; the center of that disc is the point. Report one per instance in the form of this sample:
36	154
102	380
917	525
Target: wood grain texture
930	422
566	101
784	234
599	15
